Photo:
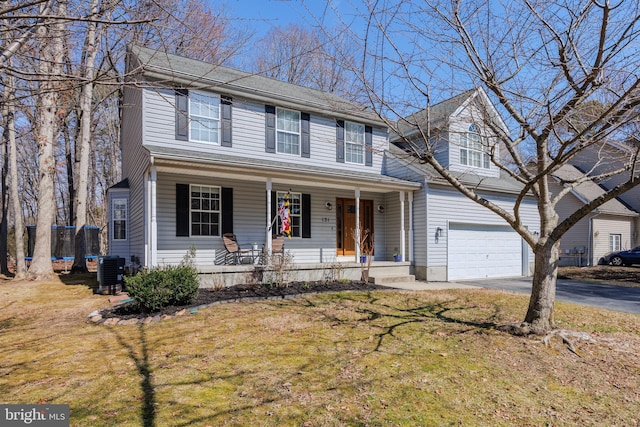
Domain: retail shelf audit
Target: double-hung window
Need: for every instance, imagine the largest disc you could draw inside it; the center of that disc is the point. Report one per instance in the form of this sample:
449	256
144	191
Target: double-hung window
119	218
204	117
295	212
288	131
354	143
615	242
472	150
205	210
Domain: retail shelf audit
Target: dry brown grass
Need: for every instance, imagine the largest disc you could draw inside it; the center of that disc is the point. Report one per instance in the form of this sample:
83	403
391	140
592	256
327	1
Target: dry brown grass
378	358
605	274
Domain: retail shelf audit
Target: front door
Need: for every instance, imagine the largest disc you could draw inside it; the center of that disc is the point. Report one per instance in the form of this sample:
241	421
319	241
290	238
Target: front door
346	223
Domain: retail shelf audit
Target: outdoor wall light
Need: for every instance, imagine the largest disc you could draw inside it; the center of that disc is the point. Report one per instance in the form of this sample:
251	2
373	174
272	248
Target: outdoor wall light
328	205
380	208
438	232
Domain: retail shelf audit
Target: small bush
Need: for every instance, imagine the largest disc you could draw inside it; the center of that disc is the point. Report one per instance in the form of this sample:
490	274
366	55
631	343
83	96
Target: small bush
163	286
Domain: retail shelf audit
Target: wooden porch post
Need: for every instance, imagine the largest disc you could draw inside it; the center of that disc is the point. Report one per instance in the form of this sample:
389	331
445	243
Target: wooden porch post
269	231
402	237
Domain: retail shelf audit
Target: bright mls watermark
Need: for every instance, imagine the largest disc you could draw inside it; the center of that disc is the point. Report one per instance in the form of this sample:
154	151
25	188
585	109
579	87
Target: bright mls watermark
34	415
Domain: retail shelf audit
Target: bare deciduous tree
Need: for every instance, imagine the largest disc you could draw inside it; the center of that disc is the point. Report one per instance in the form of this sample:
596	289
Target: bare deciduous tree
563	75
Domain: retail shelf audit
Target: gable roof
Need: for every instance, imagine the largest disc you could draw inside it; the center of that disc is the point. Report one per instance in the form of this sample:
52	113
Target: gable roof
189	73
438	115
589	190
502	184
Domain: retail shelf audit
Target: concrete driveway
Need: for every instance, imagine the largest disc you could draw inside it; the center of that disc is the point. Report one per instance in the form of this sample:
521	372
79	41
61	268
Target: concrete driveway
617	298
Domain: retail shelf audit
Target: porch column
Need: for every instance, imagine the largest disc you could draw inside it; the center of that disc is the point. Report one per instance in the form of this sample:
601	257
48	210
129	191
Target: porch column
147	218
357	233
410	227
402	238
269	232
153	238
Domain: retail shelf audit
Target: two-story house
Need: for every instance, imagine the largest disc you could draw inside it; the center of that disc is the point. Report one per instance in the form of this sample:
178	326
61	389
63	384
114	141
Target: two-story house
456	238
209	150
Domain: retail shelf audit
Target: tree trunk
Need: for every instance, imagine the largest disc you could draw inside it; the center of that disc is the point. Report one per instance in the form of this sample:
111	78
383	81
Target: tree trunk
4	193
51	39
540	316
84	146
21	265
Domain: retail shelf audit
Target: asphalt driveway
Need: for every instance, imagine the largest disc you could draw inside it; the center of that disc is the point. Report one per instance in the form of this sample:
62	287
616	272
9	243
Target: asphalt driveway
617	298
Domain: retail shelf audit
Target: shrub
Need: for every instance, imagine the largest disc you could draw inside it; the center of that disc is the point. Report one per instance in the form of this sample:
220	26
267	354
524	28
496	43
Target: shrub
163	286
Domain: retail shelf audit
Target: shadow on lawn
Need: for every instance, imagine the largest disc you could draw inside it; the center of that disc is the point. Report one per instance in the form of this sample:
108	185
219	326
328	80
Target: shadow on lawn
141	361
443	311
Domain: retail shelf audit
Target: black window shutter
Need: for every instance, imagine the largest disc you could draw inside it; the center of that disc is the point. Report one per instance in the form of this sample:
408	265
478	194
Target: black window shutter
306	135
274	212
227	210
368	146
270	128
182	210
306	216
340	141
226	103
182	114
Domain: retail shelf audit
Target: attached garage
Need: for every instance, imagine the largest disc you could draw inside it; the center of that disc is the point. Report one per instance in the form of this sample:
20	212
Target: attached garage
478	251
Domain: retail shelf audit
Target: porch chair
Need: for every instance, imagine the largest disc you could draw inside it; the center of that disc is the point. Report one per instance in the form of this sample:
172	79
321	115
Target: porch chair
234	254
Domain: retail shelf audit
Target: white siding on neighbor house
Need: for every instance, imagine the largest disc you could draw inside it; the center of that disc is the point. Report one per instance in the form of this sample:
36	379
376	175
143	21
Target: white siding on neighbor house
135	162
605	225
442	149
249	220
574	245
248	134
446	205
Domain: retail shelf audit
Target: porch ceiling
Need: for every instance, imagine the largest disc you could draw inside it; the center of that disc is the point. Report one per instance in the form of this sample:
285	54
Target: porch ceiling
180	162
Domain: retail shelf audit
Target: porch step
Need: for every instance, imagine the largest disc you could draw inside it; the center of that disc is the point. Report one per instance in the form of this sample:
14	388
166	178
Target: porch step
386	279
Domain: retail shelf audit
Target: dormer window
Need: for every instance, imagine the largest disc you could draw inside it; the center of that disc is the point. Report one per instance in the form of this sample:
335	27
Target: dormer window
472	149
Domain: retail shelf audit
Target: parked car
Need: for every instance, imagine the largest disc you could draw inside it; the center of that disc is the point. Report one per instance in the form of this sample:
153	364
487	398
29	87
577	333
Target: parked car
628	257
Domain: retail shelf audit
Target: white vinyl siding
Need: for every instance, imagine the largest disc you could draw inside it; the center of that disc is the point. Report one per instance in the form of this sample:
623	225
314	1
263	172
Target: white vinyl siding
353	143
287	131
248	128
204	117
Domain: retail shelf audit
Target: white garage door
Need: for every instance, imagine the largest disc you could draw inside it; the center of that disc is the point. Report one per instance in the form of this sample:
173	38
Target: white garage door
479	251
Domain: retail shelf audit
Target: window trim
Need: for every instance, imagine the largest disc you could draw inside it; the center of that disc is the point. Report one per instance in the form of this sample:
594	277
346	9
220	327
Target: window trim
612	243
360	144
291	214
210	211
126	218
471	141
298	134
194	118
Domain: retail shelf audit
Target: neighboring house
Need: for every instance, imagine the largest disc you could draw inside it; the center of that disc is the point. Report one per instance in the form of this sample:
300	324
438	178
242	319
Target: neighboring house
611	227
208	150
454	237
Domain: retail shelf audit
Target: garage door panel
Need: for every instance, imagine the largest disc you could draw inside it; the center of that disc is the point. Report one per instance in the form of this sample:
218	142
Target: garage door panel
481	251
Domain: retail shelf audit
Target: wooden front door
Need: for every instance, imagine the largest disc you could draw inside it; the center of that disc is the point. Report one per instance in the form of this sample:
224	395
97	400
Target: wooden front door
346	223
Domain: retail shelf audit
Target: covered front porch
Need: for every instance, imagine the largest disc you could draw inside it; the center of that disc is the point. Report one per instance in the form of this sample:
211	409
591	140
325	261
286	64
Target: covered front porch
328	208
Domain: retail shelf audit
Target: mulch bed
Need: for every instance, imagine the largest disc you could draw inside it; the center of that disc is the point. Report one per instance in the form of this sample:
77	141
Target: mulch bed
207	297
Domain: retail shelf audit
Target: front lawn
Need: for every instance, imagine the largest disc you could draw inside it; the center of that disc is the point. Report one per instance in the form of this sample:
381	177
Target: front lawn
605	274
349	358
